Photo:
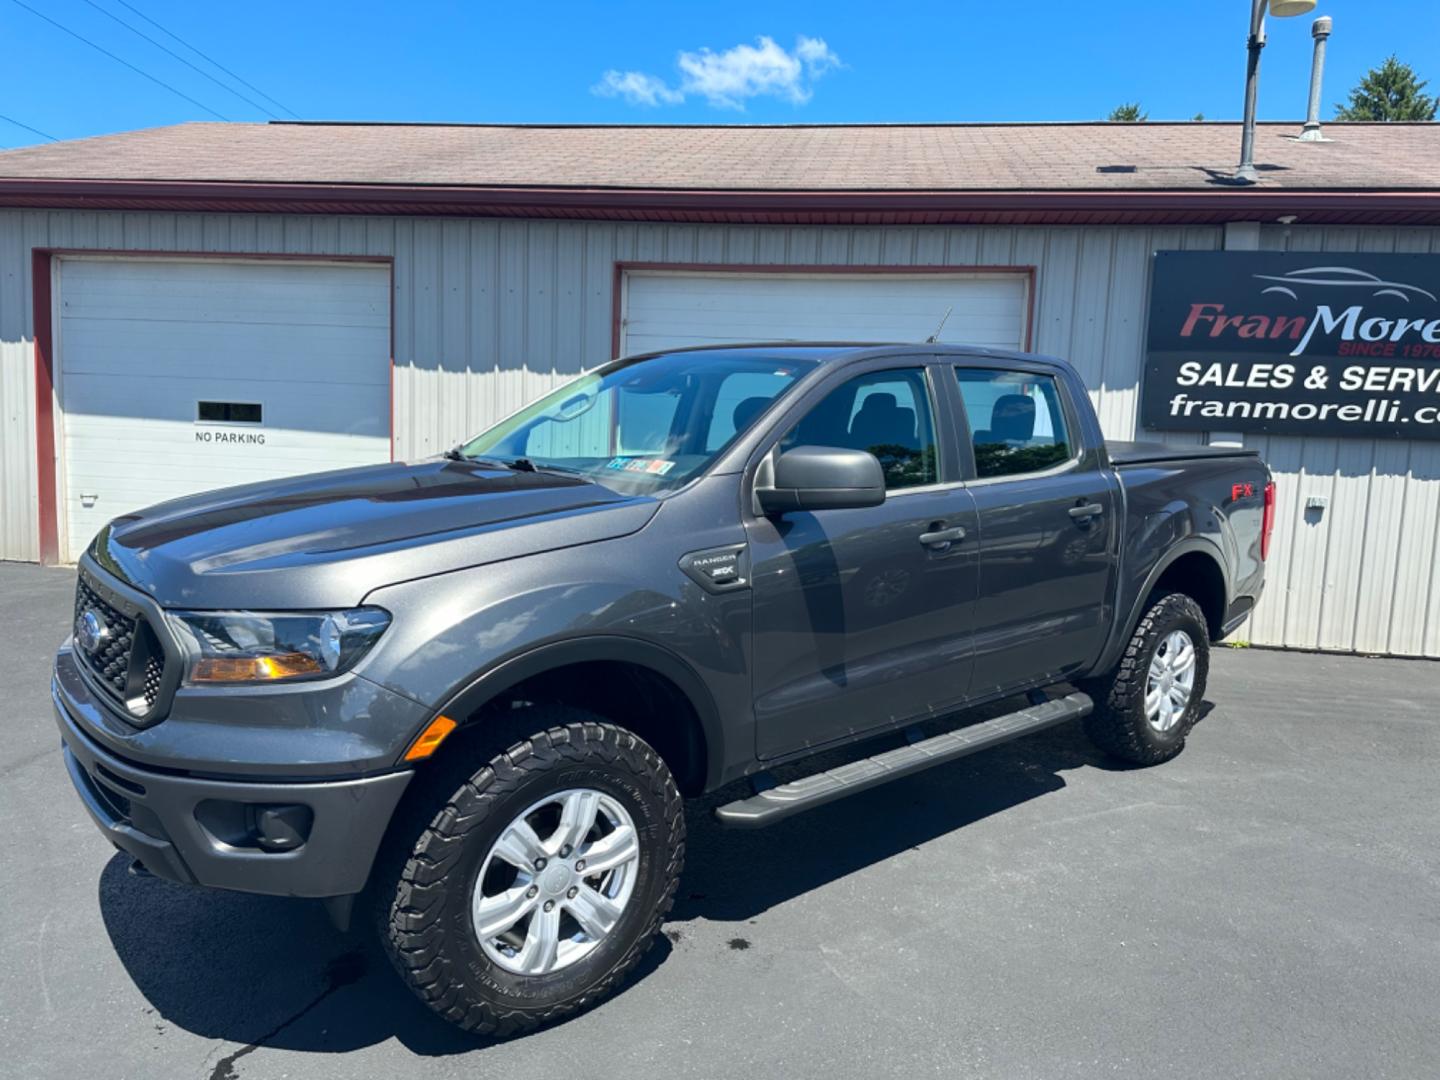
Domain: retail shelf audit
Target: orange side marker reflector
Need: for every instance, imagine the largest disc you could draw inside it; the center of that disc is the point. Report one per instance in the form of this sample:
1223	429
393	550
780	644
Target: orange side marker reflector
430	739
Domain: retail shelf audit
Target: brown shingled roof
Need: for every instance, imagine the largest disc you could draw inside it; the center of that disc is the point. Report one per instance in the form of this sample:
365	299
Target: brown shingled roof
945	171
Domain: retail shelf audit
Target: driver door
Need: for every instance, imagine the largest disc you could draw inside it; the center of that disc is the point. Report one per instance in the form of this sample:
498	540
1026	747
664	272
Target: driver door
858	622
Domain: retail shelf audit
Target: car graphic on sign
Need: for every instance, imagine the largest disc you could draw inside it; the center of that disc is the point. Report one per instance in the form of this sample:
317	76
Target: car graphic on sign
1343	277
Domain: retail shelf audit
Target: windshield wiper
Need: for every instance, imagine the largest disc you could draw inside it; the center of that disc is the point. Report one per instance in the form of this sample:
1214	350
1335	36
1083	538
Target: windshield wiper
456	454
517	465
526	465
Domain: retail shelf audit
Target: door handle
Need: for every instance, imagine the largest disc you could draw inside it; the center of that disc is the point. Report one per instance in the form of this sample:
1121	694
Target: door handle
942	536
1085	511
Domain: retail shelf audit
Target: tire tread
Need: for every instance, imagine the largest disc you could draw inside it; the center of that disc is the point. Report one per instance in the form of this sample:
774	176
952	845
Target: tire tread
1116	725
410	921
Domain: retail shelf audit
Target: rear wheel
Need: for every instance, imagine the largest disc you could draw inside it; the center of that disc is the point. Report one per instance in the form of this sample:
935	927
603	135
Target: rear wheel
1146	704
542	879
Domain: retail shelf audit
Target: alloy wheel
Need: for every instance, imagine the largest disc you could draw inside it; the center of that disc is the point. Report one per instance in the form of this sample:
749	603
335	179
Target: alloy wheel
556	882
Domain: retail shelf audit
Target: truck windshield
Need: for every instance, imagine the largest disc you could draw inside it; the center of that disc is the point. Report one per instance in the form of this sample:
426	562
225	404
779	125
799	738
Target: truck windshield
644	425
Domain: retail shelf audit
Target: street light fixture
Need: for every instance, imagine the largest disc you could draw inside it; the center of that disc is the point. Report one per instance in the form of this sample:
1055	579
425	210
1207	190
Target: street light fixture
1281	9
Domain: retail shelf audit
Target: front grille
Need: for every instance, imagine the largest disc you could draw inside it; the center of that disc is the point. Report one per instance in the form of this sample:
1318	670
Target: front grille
154	671
128	664
111	662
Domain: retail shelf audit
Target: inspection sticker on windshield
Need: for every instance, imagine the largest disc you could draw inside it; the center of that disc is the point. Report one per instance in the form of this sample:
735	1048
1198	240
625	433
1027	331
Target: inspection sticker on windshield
657	466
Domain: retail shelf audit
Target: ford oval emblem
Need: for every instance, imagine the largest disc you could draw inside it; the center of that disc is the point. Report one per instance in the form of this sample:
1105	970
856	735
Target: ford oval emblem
91	631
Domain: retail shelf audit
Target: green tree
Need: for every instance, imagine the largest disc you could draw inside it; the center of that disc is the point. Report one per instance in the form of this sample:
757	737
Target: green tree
1129	113
1198	118
1389	92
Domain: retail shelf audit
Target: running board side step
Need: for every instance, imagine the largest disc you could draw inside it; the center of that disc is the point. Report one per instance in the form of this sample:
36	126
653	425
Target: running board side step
768	807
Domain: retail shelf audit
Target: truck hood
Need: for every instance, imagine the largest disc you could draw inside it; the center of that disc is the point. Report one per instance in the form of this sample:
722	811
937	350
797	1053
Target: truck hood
328	539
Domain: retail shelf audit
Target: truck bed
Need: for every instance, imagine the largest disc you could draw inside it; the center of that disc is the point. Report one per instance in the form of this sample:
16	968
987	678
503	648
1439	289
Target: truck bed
1147	453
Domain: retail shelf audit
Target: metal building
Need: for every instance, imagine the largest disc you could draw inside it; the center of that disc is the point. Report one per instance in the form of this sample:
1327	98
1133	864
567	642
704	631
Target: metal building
207	304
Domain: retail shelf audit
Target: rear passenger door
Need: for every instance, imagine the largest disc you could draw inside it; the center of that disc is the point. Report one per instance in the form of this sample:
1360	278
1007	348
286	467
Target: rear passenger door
1047	517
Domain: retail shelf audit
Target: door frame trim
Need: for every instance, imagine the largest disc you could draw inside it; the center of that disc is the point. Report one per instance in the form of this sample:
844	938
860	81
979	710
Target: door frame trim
619	291
49	415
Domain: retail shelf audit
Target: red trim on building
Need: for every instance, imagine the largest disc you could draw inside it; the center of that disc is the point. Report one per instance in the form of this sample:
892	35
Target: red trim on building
44	406
42	261
622	268
1200	206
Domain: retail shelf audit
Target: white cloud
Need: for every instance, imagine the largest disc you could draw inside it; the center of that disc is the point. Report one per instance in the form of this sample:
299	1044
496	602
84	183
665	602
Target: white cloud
727	79
637	88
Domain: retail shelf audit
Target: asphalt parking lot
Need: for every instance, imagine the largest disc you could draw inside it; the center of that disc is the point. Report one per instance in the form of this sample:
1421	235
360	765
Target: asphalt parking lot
1264	906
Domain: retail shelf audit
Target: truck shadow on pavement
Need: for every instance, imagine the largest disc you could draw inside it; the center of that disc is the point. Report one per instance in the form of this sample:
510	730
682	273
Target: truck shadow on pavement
262	971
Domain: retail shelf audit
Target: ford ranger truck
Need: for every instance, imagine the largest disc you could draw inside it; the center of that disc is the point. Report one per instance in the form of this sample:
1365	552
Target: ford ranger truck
468	696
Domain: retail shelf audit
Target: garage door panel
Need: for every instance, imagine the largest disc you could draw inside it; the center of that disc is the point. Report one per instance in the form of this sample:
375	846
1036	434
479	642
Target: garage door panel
97	404
142	342
878	317
670	310
149	349
854	298
774	290
267	293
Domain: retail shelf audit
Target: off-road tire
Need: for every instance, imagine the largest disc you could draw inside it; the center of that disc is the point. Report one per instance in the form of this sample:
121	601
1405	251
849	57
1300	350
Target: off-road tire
1118	725
423	895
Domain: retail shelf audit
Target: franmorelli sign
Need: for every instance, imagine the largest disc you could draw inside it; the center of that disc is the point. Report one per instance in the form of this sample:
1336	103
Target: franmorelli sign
1294	344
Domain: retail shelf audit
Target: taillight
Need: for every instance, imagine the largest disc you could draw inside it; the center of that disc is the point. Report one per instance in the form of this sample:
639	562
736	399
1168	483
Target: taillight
1267	522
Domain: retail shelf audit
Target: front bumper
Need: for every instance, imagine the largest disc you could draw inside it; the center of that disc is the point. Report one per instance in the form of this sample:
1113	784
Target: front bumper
192	830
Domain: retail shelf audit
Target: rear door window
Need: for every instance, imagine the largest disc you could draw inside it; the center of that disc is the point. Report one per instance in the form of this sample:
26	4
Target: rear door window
1016	423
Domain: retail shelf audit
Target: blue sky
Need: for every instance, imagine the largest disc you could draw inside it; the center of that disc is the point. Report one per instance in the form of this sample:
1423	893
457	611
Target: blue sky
711	62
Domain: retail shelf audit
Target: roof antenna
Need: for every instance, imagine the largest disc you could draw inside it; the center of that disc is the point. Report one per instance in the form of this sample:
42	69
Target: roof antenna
935	337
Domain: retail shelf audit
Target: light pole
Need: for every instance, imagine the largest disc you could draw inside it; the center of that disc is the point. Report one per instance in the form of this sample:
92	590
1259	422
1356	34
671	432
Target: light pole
1281	9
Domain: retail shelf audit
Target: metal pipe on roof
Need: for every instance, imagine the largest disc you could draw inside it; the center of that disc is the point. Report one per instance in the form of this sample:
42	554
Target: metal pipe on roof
1320	30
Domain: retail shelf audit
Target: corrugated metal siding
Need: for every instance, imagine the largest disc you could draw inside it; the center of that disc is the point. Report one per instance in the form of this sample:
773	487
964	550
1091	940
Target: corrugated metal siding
490	313
1360	575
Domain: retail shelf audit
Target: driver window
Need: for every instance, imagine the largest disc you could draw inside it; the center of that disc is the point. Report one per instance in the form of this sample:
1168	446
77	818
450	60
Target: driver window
887	413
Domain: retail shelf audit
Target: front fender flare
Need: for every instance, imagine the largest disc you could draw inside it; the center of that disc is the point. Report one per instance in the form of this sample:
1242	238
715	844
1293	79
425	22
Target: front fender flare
513	670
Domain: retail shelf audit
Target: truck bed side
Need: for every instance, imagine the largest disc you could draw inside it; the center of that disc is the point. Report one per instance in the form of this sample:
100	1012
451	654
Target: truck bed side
1193	515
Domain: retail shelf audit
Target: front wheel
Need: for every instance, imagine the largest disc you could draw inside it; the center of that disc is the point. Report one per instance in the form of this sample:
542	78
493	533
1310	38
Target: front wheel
1147	703
541	881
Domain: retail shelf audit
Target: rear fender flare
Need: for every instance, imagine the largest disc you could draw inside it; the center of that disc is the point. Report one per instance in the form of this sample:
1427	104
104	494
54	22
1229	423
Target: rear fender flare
1124	630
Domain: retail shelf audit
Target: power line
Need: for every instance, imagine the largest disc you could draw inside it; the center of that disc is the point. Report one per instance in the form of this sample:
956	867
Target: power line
27	127
118	60
209	59
177	56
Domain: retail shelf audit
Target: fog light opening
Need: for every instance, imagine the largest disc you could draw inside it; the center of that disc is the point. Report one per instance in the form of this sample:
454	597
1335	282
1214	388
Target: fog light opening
282	828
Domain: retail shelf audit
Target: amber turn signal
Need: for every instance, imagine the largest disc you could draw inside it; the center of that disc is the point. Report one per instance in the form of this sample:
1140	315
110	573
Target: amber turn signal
430	739
253	668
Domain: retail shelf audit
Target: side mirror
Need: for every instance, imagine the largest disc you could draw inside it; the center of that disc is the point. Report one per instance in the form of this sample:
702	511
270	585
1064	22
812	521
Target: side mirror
823	478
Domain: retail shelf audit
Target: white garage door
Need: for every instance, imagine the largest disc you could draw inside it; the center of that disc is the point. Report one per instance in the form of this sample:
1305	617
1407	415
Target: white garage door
182	376
665	310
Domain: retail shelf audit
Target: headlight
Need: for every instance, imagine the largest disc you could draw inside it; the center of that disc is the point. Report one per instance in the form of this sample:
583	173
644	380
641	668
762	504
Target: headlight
250	646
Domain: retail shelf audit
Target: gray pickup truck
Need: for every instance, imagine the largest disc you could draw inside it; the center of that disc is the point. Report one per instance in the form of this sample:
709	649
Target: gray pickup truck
473	691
